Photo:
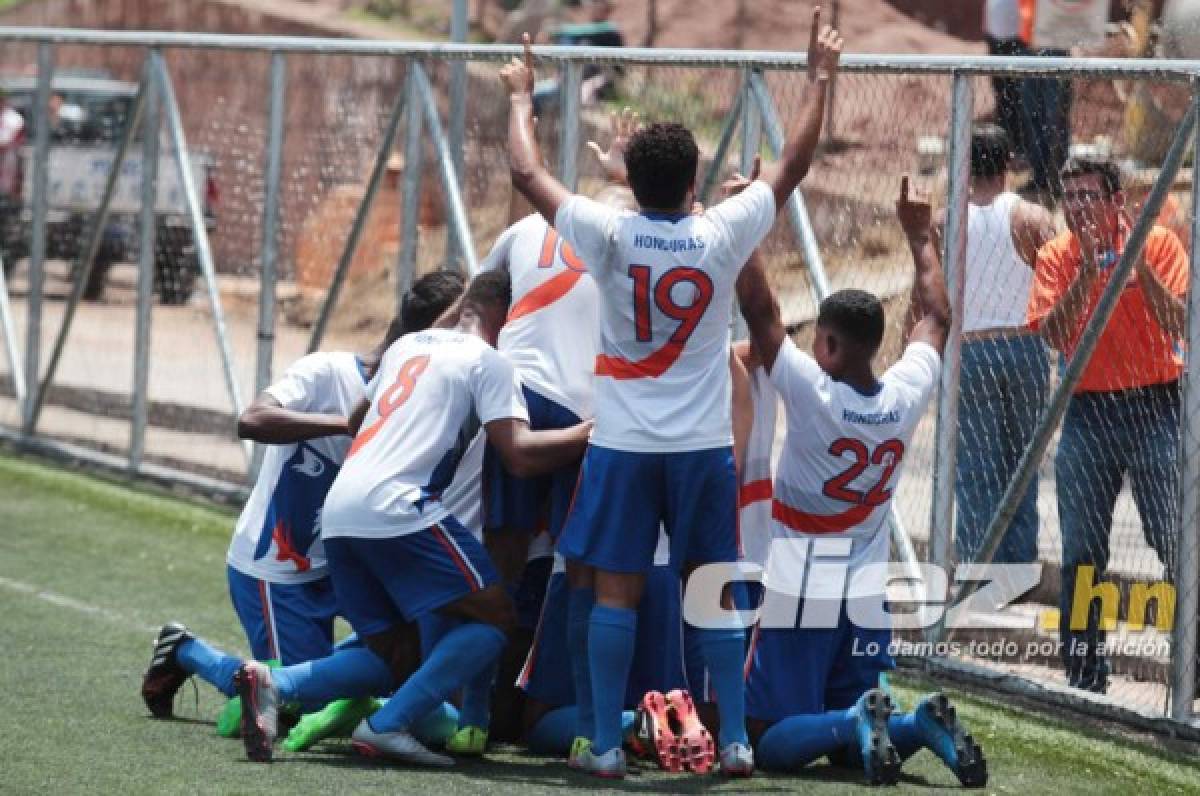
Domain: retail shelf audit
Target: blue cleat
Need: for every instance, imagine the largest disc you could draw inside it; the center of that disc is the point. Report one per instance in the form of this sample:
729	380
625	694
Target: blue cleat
937	721
881	763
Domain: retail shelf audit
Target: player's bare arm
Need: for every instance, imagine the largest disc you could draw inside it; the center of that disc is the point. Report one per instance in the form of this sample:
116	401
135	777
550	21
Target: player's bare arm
355	421
915	213
529	176
1032	228
743	407
269	422
761	310
824	52
527	453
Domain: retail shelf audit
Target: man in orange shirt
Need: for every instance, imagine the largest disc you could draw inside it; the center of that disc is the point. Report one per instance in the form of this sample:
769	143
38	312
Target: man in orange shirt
1123	419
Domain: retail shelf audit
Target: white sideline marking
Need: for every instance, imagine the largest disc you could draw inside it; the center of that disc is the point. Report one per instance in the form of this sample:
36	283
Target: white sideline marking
62	601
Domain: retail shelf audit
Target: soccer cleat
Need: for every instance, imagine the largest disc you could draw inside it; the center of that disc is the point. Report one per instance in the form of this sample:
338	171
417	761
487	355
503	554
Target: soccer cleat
937	721
880	760
164	676
338	718
578	747
402	746
229	720
260	710
468	741
610	765
737	760
694	747
654	738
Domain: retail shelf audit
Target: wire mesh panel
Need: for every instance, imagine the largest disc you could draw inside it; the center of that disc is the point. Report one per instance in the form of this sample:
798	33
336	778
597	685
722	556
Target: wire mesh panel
1100	526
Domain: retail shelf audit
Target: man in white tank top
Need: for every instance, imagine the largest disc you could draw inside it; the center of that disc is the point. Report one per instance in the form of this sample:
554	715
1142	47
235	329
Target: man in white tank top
1005	367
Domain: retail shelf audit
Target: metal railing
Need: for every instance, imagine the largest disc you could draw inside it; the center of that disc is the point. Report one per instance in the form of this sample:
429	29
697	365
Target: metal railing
752	113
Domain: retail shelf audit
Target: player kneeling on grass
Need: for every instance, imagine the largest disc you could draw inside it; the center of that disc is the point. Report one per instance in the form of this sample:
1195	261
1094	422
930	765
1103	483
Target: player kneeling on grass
812	691
278	578
396	554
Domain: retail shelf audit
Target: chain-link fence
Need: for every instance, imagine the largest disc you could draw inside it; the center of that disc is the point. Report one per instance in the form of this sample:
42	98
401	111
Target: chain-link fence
301	184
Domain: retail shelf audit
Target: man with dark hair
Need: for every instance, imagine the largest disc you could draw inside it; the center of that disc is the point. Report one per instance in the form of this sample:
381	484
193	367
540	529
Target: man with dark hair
1123	418
662	450
1005	367
397	554
812	688
276	566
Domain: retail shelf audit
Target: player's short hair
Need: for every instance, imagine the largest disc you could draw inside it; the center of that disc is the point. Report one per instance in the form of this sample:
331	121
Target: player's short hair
990	151
430	296
661	160
1104	168
855	315
491	289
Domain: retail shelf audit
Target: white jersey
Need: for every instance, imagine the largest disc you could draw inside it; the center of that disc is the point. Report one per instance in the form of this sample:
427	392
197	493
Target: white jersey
996	288
842	457
757	486
277	535
433	391
550	335
666	284
464	497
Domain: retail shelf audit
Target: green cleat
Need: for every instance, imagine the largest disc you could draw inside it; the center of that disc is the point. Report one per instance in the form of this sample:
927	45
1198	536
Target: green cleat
578	747
469	741
229	720
337	719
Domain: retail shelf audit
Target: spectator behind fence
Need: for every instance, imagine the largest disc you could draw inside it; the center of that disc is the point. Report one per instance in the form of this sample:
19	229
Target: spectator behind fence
598	82
1123	418
1001	31
1005	366
1045	111
12	136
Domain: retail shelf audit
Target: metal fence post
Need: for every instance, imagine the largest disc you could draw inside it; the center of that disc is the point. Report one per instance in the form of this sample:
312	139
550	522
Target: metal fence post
457	122
728	131
1187	573
269	246
82	268
751	133
151	123
568	147
454	201
414	152
941	521
37	249
199	233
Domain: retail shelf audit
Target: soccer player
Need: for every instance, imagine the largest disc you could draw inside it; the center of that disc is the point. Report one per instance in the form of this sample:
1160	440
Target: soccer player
278	578
811	690
662	447
396	553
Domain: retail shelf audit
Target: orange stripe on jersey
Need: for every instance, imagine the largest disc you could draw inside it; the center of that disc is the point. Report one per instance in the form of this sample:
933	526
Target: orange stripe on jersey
651	367
365	436
544	294
755	491
804	522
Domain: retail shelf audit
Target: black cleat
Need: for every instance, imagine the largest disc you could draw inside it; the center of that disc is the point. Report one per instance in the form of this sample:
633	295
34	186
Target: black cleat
937	720
164	676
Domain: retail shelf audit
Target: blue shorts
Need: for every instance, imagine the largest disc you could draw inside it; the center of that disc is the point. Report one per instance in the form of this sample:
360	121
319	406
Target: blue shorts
286	622
803	671
623	497
522	504
658	650
381	583
530	595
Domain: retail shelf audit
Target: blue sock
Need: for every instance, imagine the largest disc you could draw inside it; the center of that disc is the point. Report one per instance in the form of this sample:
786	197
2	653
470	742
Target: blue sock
579	613
794	742
349	672
554	732
725	654
208	663
457	658
432	626
436	727
905	735
477	698
612	633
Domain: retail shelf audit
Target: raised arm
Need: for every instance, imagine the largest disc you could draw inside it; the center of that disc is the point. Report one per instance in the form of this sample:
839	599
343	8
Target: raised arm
527	453
824	50
268	421
761	311
529	176
929	286
1032	228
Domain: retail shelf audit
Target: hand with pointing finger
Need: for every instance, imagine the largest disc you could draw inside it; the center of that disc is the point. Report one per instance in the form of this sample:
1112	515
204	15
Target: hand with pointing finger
518	73
914	210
